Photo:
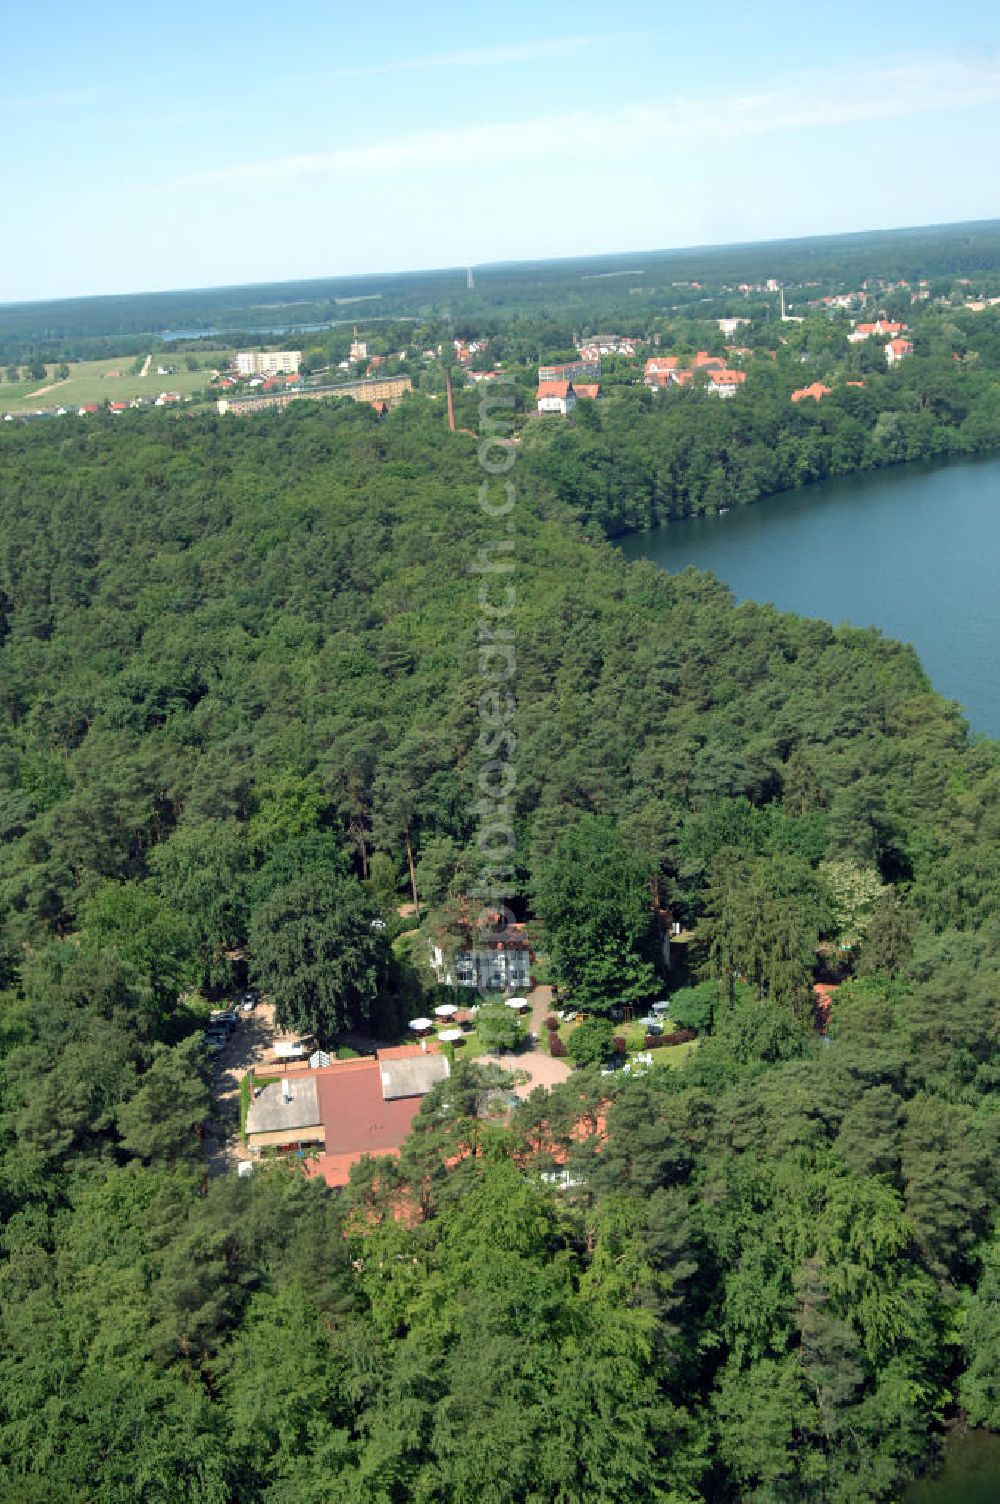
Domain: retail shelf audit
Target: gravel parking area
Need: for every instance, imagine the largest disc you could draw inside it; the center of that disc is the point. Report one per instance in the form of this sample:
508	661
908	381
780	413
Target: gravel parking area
543	1070
249	1044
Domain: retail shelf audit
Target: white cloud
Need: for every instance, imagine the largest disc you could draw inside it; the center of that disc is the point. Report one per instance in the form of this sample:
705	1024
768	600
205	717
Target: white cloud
809	101
495	56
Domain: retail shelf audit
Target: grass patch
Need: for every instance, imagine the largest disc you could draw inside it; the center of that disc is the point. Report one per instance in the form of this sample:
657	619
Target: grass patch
96	381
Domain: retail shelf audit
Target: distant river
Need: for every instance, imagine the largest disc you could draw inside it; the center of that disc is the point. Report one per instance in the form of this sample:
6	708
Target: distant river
912	550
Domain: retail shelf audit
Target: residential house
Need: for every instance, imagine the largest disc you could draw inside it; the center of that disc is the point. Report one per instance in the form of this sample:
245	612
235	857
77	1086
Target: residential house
587	391
816	390
868	331
725	383
730	326
659	368
496	957
665	370
607	344
555	397
897	350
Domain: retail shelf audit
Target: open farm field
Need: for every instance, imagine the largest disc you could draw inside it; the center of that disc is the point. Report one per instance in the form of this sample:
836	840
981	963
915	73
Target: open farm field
109	380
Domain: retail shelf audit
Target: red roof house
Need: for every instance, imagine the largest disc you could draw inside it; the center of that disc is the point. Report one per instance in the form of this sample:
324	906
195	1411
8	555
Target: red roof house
816	390
724	383
555	397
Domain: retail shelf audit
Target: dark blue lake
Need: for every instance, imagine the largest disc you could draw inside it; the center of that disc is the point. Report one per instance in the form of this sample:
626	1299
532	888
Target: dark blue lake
912	550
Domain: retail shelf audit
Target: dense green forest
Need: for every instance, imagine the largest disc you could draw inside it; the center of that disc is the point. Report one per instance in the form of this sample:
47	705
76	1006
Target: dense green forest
239	676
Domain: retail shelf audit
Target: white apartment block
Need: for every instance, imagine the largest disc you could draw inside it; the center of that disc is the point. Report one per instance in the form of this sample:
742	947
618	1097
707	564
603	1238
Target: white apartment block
267	362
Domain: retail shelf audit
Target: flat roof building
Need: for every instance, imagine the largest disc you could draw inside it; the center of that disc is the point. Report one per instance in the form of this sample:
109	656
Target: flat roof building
267	362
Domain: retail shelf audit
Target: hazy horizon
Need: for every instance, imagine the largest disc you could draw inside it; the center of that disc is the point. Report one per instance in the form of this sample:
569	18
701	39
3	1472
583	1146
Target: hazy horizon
494	265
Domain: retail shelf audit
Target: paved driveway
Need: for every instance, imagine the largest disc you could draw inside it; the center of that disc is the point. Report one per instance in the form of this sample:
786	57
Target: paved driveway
543	1070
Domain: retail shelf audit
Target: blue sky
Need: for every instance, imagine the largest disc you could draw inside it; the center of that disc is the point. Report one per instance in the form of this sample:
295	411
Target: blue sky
195	145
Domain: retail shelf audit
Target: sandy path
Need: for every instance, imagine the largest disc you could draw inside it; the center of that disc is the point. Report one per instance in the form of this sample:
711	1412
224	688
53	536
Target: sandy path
43	389
145	369
540	1000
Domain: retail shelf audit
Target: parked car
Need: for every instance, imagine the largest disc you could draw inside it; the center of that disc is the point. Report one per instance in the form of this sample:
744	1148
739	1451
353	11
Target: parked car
249	999
226	1018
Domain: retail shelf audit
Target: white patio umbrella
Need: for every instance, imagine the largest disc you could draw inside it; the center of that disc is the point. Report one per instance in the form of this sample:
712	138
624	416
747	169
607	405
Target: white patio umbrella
446	1010
517	1002
451	1036
419	1025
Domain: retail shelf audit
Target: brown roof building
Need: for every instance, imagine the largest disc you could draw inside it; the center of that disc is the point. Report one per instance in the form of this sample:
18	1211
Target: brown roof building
347	1109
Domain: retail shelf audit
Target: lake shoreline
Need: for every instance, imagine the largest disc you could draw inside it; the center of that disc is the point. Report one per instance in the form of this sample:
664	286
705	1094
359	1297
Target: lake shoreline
917	467
911	550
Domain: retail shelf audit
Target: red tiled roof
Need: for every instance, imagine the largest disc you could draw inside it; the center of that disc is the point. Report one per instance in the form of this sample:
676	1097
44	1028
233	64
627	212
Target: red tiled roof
587	390
727	378
354	1114
554	389
409	1051
335	1169
823	993
815	390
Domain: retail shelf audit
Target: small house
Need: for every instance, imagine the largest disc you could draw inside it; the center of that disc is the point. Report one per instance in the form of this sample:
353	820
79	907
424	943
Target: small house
556	397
